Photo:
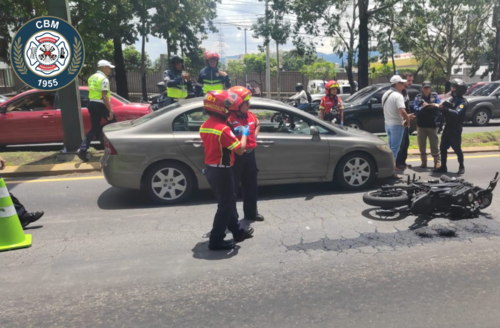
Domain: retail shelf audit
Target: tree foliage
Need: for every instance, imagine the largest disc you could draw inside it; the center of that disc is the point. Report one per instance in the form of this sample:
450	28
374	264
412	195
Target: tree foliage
293	61
445	31
320	70
257	63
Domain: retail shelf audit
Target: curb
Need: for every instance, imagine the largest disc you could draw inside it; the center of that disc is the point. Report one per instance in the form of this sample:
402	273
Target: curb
68	168
51	169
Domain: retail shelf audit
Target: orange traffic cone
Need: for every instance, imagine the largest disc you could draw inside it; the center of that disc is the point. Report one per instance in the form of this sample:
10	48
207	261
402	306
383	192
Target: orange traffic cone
11	231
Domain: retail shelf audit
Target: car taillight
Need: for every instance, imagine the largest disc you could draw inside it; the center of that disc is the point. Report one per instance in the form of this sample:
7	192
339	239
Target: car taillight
108	148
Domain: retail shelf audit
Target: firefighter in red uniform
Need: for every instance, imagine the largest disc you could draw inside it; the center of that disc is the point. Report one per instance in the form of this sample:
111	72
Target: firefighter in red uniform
331	105
245	165
220	143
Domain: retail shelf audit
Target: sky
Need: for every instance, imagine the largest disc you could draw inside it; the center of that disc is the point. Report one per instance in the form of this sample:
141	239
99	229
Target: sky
232	14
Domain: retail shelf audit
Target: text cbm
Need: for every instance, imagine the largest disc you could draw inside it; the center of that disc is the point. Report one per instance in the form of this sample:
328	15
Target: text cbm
47	24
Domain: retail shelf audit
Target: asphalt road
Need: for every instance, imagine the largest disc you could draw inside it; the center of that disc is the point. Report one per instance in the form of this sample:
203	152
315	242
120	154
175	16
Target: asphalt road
103	257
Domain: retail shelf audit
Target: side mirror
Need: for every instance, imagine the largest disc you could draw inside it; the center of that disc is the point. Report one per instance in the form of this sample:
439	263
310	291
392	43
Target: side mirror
315	132
373	101
3	110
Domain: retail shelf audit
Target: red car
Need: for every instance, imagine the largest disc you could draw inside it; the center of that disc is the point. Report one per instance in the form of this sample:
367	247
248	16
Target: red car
34	117
471	87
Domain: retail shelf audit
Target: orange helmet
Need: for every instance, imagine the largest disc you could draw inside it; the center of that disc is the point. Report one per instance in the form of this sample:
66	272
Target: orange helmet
330	85
219	102
209	55
243	93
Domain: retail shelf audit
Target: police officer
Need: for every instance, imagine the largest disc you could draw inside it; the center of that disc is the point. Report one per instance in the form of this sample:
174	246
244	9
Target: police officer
453	111
176	80
426	106
331	105
99	106
245	165
220	145
210	78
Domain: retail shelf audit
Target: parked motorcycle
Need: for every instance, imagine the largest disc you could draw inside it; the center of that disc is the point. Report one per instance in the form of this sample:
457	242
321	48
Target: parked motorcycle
452	196
161	100
312	109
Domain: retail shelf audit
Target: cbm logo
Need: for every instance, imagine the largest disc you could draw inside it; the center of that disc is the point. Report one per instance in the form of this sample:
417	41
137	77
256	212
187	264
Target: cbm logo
47	53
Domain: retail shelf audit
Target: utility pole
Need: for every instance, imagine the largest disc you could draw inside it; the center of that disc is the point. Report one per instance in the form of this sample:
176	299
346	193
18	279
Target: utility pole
268	65
278	70
71	114
246	74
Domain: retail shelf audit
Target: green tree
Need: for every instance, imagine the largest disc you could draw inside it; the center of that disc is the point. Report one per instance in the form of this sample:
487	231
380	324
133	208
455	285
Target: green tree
320	70
444	30
236	68
131	56
257	63
292	61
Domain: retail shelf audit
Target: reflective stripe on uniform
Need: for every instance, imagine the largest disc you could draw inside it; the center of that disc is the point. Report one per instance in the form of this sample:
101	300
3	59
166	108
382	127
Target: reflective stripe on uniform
234	145
212	131
7	212
173	92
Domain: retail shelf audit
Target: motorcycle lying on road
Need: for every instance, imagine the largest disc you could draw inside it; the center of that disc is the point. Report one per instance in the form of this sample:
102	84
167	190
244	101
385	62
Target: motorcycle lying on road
452	196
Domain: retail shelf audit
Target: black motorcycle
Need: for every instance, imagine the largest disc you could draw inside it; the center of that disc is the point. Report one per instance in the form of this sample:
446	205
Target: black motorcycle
312	109
452	196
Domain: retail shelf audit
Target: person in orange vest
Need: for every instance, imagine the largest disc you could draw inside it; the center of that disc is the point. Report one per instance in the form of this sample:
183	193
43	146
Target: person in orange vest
220	145
331	105
245	165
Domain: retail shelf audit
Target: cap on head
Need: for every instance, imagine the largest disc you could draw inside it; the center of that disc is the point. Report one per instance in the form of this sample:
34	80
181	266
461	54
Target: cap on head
219	102
105	63
397	79
427	84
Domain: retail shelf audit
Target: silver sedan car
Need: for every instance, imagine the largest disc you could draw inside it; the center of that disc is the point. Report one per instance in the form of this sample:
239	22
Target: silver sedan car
162	153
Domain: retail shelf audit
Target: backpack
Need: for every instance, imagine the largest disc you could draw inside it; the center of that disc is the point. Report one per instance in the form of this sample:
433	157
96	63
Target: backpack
309	98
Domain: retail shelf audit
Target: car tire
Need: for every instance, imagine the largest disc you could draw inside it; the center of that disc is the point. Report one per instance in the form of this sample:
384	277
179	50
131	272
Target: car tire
355	171
177	190
481	117
354	124
376	198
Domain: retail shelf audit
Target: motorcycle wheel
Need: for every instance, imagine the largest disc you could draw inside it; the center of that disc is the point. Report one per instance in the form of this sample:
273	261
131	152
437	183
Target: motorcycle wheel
383	199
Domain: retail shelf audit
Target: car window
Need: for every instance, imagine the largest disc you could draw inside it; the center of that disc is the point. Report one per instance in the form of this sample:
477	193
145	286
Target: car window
276	121
84	98
486	90
346	90
40	101
190	121
361	94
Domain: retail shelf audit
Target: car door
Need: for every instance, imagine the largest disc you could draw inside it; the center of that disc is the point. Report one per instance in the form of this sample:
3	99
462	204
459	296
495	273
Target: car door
374	118
27	121
285	147
186	131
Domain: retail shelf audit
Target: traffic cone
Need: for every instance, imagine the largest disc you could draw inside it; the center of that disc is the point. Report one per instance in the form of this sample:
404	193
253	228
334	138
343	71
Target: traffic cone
11	231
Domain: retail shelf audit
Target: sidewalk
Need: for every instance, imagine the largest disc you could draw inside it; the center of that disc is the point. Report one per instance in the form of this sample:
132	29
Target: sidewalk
68	168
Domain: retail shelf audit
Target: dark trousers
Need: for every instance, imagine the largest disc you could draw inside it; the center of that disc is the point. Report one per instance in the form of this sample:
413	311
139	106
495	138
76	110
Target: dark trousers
97	112
451	139
245	172
403	149
221	181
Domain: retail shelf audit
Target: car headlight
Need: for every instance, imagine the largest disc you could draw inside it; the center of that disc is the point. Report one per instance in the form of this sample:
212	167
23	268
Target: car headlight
384	148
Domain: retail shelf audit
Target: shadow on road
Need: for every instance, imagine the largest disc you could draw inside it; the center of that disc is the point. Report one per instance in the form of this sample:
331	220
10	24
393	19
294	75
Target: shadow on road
115	198
201	252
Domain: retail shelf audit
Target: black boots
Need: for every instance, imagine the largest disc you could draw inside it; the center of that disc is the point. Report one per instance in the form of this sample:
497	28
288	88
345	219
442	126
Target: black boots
461	170
442	169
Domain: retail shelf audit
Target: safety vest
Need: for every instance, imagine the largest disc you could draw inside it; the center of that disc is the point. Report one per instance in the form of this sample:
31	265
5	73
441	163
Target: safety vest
177	92
95	89
213	85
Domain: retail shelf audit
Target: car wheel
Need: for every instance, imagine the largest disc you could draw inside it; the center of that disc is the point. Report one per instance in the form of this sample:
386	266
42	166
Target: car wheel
168	183
354	124
481	117
355	171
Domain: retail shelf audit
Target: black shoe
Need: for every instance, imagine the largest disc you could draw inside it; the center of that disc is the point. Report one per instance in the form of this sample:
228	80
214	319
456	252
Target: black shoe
258	217
82	154
248	233
221	246
442	169
31	217
461	170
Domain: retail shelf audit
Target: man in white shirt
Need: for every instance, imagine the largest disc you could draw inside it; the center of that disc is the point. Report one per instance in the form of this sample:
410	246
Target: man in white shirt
301	96
395	117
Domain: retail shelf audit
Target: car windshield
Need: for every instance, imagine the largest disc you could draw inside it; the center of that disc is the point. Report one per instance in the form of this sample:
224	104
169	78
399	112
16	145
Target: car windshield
120	98
150	116
486	90
362	94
